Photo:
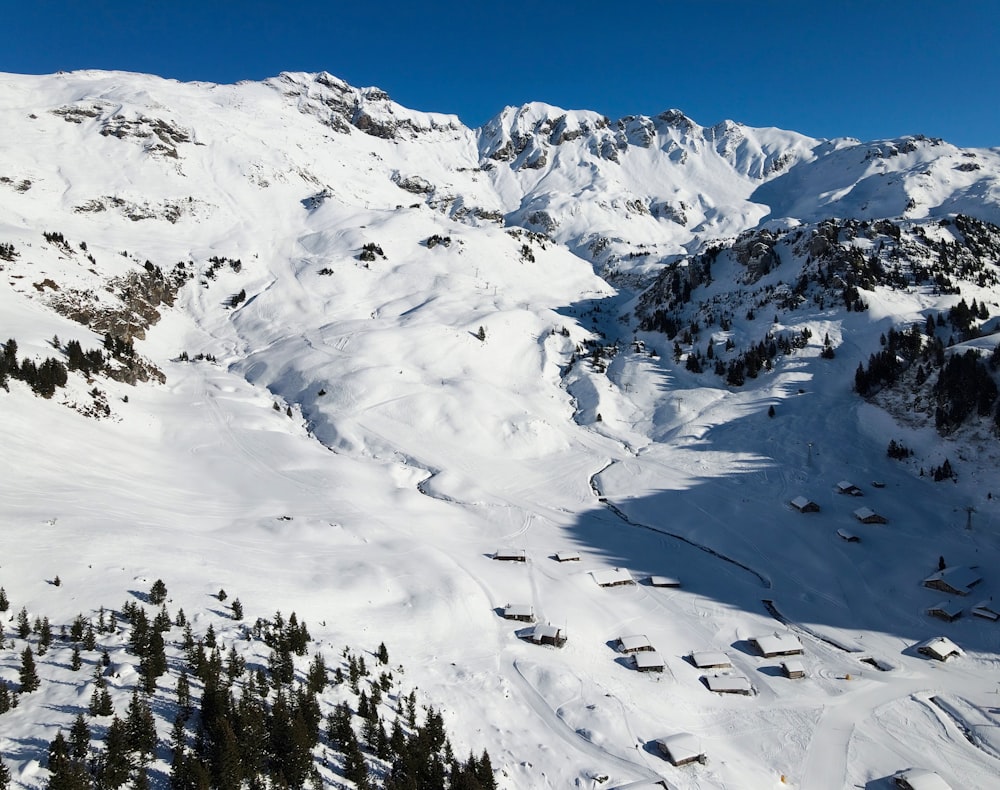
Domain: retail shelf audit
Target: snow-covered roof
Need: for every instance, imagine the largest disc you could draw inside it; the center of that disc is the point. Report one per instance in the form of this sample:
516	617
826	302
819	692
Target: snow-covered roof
987	609
847	535
517	610
647	659
634	642
730	684
681	747
958	578
793	666
801	503
567	556
950	608
664	581
919	779
776	644
610	576
710	658
939	647
544	631
504	552
866	513
846	486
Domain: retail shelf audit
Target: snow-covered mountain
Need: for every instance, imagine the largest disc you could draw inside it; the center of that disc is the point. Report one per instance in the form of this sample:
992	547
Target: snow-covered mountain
341	352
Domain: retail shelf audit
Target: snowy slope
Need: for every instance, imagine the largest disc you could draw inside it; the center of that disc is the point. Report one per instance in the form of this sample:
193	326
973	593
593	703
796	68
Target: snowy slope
436	356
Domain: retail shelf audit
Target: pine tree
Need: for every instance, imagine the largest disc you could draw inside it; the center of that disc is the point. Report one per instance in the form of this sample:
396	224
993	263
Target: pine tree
158	592
4	776
140	726
23	624
237	608
5	696
76	662
114	764
4	603
79	738
28	675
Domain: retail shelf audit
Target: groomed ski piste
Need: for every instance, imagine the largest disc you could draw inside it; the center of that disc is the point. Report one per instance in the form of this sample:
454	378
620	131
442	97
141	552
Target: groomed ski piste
365	440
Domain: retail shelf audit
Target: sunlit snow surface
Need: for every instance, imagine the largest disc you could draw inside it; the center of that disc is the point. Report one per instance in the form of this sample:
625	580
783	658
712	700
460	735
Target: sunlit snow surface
415	449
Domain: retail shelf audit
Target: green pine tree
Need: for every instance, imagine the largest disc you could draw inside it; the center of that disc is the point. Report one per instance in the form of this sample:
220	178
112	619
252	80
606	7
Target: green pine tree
28	675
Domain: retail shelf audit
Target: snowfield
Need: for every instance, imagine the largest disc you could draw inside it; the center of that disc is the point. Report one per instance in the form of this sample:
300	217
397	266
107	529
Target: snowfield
370	432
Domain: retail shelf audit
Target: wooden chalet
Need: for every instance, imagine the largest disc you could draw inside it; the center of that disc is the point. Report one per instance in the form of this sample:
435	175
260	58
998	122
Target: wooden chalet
772	645
728	684
868	516
946	610
987	610
510	555
567	556
711	659
681	749
847	487
793	668
647	661
940	648
850	537
612	577
636	643
663	581
957	580
803	505
548	634
519	611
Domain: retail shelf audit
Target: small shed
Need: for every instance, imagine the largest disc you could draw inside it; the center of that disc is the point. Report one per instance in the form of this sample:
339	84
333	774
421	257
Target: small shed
957	580
728	684
681	749
647	661
946	610
938	647
510	555
519	611
850	537
711	659
772	645
919	779
803	505
633	644
847	487
793	668
567	556
987	610
548	634
612	577
663	581
868	516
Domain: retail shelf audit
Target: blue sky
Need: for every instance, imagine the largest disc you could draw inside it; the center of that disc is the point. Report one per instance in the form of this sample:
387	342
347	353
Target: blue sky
862	69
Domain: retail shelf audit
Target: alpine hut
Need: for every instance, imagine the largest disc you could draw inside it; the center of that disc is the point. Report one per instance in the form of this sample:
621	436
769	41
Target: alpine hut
681	749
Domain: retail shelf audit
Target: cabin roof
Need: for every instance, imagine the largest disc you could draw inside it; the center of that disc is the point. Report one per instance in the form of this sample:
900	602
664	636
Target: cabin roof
647	659
612	576
634	642
770	644
728	683
682	747
710	658
940	647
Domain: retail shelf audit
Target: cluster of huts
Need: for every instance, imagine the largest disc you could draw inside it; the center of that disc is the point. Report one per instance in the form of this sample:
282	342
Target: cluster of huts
721	678
548	634
863	514
959	581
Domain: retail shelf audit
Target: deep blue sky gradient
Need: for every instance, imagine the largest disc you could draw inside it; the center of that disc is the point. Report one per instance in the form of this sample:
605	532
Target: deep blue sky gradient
861	69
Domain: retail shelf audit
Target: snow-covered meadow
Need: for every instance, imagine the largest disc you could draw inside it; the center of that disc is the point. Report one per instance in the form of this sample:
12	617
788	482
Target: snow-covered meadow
371	432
